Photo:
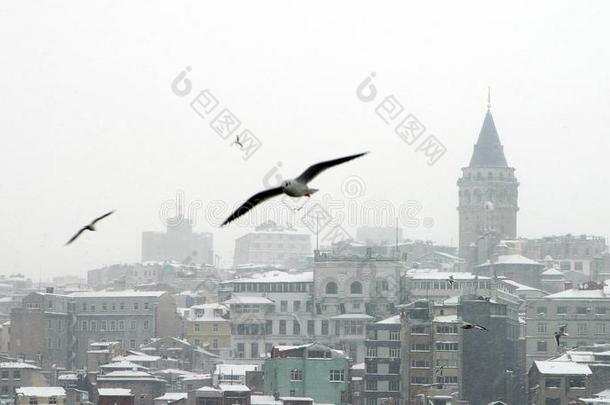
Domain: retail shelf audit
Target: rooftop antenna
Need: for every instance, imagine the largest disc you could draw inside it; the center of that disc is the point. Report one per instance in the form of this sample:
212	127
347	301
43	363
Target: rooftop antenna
396	226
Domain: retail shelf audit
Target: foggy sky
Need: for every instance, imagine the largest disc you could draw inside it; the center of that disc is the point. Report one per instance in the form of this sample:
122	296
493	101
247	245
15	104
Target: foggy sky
88	121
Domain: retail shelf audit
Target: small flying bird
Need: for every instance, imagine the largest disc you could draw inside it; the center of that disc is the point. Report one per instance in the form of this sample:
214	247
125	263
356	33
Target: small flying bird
238	142
90	227
467	325
451	280
561	332
293	188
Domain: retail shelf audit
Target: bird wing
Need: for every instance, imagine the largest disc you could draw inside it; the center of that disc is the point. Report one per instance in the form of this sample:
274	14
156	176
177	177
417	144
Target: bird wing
480	327
318	168
102	217
252	202
75	236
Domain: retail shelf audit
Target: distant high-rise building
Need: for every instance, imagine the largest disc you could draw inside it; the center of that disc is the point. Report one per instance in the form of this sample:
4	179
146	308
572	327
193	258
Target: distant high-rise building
379	235
487	197
178	244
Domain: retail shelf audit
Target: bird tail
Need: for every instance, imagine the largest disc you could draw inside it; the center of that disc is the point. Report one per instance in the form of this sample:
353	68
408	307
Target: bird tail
310	191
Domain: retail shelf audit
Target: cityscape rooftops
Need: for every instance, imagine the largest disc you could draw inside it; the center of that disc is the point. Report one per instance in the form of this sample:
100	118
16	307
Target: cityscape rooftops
115	392
247	299
16	364
562	368
117	294
41	391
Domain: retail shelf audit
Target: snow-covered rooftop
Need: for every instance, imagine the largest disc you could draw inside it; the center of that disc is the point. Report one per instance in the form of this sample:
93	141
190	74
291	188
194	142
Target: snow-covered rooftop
275	276
551	272
562	368
579	294
235	369
17	364
434	274
264	400
446	318
115	392
352	316
243	299
117	294
136	358
41	391
234	387
172	396
511	259
391	320
123	364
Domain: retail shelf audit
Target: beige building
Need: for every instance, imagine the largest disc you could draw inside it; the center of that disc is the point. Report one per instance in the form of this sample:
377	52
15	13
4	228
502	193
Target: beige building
18	374
40	396
208	325
585	311
558	382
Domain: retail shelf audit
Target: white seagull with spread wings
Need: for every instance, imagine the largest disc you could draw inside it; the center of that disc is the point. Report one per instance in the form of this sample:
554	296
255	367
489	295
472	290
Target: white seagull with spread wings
293	188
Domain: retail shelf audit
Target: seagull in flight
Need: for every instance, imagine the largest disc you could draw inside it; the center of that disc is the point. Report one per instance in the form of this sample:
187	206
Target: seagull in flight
294	188
238	142
561	332
467	325
439	370
90	227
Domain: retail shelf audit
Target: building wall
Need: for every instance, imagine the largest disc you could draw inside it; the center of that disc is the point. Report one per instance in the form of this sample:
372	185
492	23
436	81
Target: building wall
15	377
278	248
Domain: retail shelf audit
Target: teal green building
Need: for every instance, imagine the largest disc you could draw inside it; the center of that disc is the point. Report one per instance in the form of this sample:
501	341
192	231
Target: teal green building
312	370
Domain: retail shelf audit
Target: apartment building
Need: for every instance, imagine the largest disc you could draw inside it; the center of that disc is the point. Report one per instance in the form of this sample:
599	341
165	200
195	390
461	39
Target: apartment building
18	374
434	285
208	325
558	382
584	309
382	361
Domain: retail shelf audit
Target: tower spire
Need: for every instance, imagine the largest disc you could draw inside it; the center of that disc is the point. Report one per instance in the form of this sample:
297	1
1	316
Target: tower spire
488	98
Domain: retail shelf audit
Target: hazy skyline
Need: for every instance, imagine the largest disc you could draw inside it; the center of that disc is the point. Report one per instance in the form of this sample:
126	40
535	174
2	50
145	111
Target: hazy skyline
89	122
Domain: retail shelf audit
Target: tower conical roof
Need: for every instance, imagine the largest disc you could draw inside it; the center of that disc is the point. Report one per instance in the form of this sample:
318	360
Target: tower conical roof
488	151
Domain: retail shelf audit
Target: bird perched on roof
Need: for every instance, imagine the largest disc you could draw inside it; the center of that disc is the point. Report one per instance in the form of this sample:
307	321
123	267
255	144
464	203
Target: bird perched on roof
90	227
294	188
561	332
468	325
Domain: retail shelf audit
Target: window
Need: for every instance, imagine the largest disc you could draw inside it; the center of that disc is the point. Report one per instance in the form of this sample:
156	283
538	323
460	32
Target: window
197	327
600	329
395	352
562	310
269	327
420	347
394	386
296	306
581	328
83	325
136	306
5	374
121	325
284	306
394	368
133	325
417	330
215	343
145	324
254	350
581	310
446	380
122	306
447	329
420	380
33	401
541	310
352	327
371	368
84	307
93	326
576	382
420	363
371	352
337	376
541	328
112	325
447	363
552	383
331	288
324	328
308	306
296	374
104	307
197	342
541	346
600	310
92	308
394	335
296	328
447	346
146	305
552	401
102	325
355	288
17	375
282	326
132	344
114	306
214	327
371	385
50	324
311	327
371	401
240	350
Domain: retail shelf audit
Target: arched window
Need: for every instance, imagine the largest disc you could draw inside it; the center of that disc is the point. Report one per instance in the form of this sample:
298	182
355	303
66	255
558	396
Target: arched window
331	288
355	288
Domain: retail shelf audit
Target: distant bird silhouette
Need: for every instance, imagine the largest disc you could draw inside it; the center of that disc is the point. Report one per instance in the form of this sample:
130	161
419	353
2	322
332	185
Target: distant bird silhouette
450	280
293	188
467	325
561	332
90	227
238	142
